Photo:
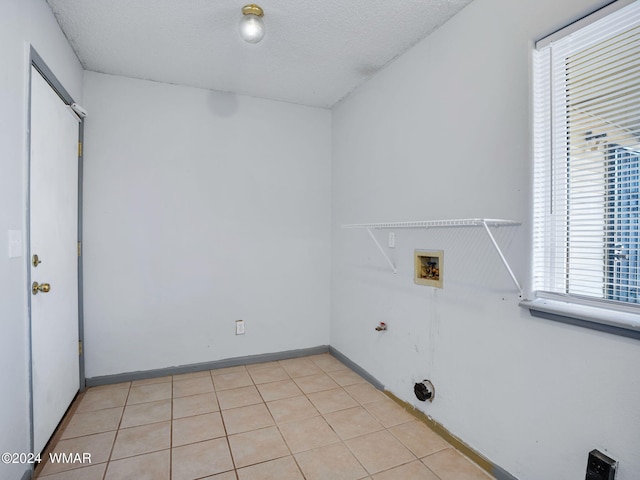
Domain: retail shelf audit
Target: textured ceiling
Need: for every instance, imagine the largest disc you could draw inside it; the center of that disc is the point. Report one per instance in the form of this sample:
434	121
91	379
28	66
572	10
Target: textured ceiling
314	53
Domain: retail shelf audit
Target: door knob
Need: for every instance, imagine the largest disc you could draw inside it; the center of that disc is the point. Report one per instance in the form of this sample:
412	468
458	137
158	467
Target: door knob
42	287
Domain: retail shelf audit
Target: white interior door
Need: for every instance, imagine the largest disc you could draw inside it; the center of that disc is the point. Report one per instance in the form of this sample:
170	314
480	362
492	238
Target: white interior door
53	216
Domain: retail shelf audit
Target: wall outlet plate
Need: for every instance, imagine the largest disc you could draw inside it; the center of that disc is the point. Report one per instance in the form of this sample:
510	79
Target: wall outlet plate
239	327
600	466
392	240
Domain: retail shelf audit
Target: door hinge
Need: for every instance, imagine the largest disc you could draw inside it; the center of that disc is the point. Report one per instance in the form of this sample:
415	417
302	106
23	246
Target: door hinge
79	249
79	149
79	348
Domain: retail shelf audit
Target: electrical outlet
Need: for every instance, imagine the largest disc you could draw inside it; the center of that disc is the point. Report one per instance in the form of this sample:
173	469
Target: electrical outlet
239	327
392	240
600	467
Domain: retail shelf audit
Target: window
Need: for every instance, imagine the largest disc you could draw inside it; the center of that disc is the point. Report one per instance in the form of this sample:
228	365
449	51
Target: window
587	162
623	182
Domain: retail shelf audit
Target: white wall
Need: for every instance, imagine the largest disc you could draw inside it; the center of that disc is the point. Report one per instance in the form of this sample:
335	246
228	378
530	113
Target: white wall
178	187
201	208
22	22
444	132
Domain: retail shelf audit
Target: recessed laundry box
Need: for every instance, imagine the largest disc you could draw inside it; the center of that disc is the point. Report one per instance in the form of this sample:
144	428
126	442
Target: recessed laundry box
428	267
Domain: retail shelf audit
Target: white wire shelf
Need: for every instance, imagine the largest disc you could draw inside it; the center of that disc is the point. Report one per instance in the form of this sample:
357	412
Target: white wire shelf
485	223
463	222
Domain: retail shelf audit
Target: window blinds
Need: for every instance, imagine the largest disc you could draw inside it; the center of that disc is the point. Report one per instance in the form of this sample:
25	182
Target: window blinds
587	161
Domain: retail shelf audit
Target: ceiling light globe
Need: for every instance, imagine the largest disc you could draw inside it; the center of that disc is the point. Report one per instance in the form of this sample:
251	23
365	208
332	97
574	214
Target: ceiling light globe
251	26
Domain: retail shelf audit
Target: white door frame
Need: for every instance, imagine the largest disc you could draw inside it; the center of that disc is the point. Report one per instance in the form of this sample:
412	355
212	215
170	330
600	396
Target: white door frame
38	63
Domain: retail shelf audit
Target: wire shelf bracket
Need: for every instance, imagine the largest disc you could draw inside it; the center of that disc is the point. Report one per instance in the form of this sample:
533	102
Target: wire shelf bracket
485	223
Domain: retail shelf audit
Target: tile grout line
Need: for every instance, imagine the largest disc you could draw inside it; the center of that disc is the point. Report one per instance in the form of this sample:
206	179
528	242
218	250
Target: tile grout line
275	424
171	434
343	442
224	425
115	438
293	457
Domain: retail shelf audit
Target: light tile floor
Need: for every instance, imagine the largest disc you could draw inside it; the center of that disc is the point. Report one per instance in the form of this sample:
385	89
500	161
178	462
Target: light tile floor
306	418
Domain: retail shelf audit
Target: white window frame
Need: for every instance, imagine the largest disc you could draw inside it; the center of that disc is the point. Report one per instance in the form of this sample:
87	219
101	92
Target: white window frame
549	302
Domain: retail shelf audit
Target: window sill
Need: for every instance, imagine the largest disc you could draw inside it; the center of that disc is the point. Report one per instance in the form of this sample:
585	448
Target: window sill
610	321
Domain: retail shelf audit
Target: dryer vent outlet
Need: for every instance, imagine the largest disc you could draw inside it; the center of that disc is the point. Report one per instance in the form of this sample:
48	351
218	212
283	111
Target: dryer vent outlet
424	391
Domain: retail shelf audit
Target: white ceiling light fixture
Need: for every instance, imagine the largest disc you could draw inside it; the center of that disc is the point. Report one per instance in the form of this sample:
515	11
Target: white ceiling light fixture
251	26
